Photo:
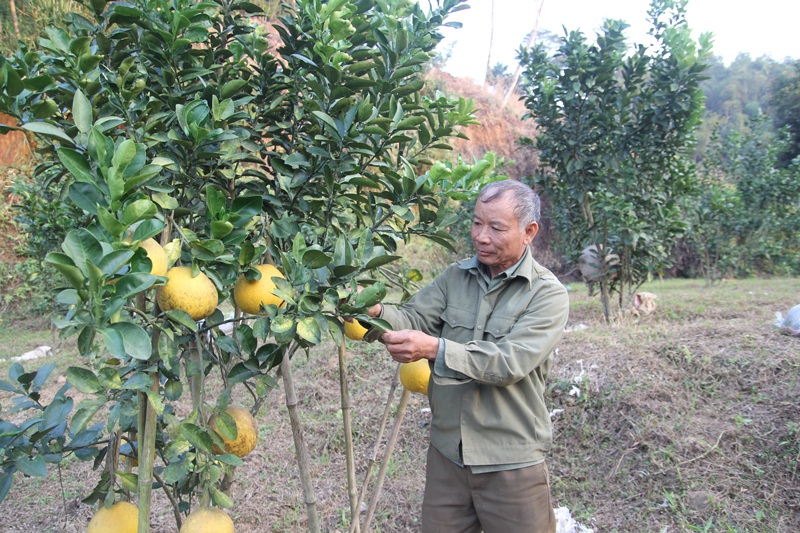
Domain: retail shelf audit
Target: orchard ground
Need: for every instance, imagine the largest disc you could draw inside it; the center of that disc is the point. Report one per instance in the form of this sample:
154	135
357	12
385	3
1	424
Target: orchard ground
685	420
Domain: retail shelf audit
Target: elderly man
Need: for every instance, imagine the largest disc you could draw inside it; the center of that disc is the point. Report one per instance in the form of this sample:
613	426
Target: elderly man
488	326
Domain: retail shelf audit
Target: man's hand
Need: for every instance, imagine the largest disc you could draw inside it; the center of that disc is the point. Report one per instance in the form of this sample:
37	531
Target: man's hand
408	345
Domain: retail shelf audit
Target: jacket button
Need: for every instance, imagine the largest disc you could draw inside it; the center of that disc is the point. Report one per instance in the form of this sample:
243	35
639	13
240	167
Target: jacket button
453	322
496	331
463	422
480	327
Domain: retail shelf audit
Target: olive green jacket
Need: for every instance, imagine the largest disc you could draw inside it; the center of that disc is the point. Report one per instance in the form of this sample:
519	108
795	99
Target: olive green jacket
489	394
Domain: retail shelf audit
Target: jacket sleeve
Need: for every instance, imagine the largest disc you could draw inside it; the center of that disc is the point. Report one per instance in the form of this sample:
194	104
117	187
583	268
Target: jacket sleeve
530	341
423	312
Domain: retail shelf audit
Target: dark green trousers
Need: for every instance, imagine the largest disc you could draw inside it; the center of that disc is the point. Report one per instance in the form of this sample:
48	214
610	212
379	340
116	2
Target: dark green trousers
510	501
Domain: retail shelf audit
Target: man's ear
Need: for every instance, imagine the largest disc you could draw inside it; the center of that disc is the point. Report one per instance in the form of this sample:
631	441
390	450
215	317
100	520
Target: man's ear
530	232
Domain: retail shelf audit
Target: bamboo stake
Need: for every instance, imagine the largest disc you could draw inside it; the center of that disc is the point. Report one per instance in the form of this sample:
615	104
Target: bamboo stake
348	434
299	444
401	413
355	526
147	433
147	445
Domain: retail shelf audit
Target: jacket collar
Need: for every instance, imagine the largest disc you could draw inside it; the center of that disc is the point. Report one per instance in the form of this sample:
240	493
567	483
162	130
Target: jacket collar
527	269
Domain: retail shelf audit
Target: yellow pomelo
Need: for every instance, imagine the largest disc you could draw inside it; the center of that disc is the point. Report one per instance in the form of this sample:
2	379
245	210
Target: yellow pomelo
208	520
197	296
414	376
156	255
122	517
354	330
251	294
247	432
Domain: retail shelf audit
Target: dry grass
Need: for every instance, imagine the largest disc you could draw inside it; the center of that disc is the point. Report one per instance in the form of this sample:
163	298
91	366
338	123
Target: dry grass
685	416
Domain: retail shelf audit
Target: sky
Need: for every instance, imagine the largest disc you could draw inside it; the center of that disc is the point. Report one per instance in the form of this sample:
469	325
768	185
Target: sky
767	27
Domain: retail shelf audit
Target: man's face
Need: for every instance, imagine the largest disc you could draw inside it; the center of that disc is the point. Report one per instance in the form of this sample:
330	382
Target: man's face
496	234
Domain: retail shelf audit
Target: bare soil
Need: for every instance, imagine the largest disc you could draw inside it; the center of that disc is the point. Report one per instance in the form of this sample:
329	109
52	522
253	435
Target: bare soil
685	420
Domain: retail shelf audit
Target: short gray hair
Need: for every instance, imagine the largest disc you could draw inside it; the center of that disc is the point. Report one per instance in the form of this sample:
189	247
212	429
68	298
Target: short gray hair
527	206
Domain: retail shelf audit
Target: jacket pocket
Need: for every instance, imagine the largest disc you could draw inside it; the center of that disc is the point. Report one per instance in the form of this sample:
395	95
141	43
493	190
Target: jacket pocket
458	324
499	326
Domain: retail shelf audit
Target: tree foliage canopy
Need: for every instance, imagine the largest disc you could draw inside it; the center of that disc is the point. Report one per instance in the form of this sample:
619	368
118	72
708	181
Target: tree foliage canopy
615	132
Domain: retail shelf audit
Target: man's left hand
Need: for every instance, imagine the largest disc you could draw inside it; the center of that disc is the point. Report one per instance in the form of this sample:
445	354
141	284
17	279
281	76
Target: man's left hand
408	345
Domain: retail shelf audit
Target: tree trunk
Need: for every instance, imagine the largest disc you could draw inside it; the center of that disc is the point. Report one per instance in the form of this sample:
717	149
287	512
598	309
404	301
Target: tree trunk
532	37
488	73
348	433
299	445
14	17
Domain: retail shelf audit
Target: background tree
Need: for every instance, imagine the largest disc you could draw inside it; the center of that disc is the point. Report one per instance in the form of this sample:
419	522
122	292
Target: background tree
616	130
786	110
754	203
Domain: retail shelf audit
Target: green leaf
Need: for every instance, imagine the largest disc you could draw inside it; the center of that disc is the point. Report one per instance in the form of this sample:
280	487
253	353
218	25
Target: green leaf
112	262
67	268
282	324
135	339
82	112
221	499
76	164
82	247
247	253
381	260
134	283
298	247
183	318
87	196
83	379
155	401
50	131
197	437
415	275
230	88
173	389
308	329
316	259
229	459
138	381
129	481
226	425
6	480
325	118
371	295
110	222
227	344
220	228
148	228
34	468
139	210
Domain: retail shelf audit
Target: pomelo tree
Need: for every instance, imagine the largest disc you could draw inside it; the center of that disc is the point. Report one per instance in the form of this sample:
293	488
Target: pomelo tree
173	120
616	132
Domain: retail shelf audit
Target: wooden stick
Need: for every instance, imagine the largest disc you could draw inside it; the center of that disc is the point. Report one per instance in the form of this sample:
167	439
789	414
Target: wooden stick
401	413
348	434
299	444
355	526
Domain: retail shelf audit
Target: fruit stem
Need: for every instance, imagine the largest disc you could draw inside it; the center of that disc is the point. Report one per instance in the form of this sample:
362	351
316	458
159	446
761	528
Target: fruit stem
348	433
299	445
354	526
401	413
